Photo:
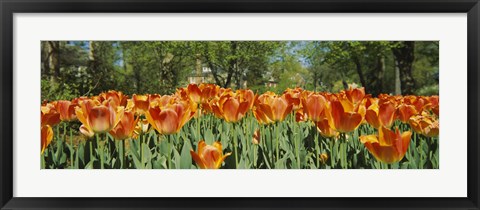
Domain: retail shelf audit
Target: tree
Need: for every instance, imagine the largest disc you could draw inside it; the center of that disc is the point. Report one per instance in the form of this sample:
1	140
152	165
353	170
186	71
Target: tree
404	57
351	61
231	61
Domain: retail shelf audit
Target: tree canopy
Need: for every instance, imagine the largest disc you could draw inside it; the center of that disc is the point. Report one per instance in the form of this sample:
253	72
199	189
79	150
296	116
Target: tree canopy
75	68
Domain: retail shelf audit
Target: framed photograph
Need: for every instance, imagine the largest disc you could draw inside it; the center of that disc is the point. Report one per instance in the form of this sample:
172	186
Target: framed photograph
239	105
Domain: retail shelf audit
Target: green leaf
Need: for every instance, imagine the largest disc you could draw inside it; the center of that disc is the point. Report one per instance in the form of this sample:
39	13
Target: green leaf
160	163
186	159
209	139
89	165
177	159
147	154
136	162
80	154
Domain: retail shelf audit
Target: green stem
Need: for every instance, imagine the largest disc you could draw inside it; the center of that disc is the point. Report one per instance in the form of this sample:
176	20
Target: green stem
72	149
264	144
249	136
77	164
100	149
254	156
317	149
277	141
235	144
343	148
42	161
198	124
91	151
332	158
295	139
141	151
271	150
125	159
121	152
169	151
64	130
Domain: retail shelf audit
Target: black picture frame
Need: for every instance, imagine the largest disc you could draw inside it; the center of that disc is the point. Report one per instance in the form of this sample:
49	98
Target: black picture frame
10	7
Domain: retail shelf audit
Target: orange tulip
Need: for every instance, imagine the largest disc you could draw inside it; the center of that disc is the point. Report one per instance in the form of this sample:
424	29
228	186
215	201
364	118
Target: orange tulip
98	117
46	137
405	111
343	121
230	107
125	127
381	114
163	100
433	104
358	106
355	95
140	103
49	115
201	93
313	105
300	116
293	97
168	118
246	95
325	129
388	146
66	110
209	157
269	108
117	98
425	125
180	96
194	93
417	101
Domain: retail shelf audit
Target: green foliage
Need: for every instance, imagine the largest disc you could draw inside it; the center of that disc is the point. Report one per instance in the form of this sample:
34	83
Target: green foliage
368	63
54	91
283	145
428	90
88	68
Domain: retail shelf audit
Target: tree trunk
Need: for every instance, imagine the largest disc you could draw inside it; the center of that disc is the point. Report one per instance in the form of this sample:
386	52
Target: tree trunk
358	66
46	59
138	78
232	63
345	84
198	69
124	57
398	86
215	73
404	56
212	67
53	61
376	84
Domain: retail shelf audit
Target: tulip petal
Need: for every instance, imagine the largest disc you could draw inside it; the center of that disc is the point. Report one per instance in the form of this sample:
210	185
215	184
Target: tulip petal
372	118
386	114
197	160
167	121
86	131
230	109
46	137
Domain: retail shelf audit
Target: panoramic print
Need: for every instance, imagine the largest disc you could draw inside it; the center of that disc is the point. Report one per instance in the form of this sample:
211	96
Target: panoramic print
239	105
